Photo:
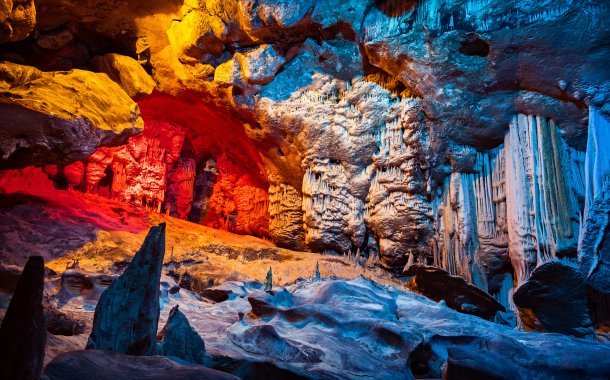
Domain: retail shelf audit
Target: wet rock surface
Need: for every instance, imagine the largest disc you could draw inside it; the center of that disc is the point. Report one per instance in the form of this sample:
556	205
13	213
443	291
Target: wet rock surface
23	332
94	364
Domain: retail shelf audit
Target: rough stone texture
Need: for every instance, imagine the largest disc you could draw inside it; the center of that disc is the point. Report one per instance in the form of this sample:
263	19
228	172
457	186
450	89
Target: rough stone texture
556	298
83	288
593	249
54	39
94	365
125	71
255	67
352	329
17	19
127	314
59	118
438	285
178	339
23	333
59	323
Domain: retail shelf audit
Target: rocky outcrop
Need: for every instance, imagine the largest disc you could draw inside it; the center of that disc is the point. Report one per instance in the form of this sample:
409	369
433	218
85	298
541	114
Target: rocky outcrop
23	333
127	313
125	71
178	339
556	300
17	19
232	290
62	117
459	295
99	365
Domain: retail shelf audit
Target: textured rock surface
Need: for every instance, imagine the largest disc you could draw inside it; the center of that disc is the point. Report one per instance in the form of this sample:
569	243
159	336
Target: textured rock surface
59	118
125	71
17	19
556	298
353	329
127	315
23	333
178	339
438	285
93	364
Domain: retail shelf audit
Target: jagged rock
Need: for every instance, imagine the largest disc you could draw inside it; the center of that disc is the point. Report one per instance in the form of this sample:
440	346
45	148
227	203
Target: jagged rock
178	339
555	297
17	19
54	39
23	333
127	314
38	109
59	323
459	295
125	71
102	365
255	67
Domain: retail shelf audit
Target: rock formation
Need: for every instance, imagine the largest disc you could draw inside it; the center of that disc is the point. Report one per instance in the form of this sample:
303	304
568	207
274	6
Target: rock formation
38	110
457	146
178	339
94	365
23	333
127	313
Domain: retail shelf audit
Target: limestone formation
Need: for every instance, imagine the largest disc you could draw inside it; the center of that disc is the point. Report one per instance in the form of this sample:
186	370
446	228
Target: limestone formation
127	313
23	333
178	339
555	298
125	71
17	19
438	285
54	39
59	118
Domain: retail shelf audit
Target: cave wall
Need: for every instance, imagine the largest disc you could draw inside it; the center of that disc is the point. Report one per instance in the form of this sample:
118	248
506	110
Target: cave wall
467	135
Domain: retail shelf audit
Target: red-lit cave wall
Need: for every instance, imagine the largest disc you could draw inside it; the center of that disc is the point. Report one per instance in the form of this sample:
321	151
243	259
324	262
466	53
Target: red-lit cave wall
191	162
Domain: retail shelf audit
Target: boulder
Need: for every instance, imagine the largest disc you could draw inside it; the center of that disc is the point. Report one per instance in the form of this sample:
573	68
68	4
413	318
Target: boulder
458	294
60	117
23	334
554	299
178	339
127	314
85	287
54	39
125	71
103	365
59	323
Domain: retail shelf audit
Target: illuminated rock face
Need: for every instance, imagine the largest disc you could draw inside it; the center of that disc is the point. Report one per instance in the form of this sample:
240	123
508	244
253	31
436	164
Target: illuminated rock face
62	117
464	135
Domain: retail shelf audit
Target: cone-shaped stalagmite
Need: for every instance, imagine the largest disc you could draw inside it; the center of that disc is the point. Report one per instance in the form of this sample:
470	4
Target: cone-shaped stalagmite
179	339
24	332
127	314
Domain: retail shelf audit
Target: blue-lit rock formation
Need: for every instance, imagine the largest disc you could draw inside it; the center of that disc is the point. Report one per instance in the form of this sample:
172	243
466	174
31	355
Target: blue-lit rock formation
127	314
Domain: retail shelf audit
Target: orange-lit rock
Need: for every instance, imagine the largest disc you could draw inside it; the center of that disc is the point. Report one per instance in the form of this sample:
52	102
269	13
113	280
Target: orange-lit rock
61	117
